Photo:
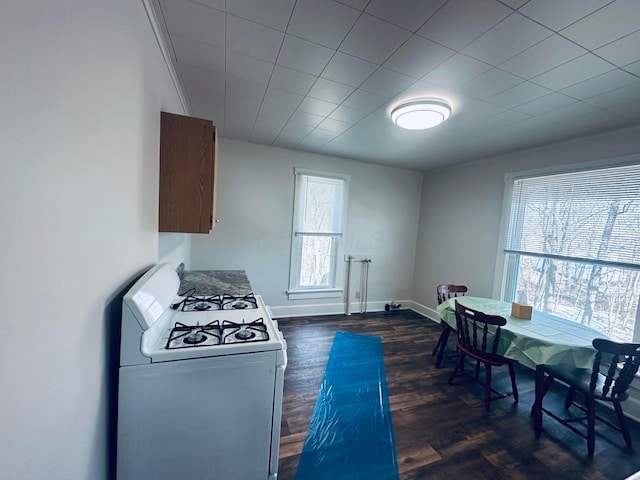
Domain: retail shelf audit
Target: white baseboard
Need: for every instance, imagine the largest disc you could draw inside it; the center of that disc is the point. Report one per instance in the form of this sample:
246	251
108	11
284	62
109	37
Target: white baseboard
338	308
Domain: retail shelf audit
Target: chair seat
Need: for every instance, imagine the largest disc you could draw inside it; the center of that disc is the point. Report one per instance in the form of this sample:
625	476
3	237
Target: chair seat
580	380
485	357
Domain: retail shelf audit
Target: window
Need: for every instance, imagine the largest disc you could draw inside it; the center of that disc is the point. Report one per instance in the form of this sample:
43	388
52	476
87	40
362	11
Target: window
573	247
318	230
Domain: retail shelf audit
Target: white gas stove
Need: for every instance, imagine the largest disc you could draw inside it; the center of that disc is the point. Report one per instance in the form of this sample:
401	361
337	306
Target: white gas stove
222	356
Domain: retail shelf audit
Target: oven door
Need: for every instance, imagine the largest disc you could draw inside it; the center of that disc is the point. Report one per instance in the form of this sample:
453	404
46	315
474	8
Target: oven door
205	418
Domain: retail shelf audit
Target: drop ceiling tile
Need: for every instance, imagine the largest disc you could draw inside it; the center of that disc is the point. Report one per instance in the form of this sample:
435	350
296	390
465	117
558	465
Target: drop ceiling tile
600	84
252	39
244	95
270	13
387	83
508	117
357	4
285	99
304	56
549	53
242	66
409	14
330	91
610	23
317	138
633	68
417	57
373	39
265	131
489	84
347	114
456	71
317	107
545	104
570	73
202	78
522	93
238	123
580	115
291	80
195	21
348	69
263	137
508	38
514	3
204	105
293	133
198	54
460	22
470	111
622	52
218	4
333	125
275	114
306	118
559	14
424	89
630	110
322	21
364	101
613	98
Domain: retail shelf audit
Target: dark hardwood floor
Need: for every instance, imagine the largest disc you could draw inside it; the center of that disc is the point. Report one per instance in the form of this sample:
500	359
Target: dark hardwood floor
442	431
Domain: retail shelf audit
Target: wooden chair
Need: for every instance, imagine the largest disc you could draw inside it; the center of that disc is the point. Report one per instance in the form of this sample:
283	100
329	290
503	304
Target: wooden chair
614	368
445	292
478	338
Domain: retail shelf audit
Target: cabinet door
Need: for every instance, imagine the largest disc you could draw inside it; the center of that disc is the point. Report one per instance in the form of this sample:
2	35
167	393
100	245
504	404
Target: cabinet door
187	169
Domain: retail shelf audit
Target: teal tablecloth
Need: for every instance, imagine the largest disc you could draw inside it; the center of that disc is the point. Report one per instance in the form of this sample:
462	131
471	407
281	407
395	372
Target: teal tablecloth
543	340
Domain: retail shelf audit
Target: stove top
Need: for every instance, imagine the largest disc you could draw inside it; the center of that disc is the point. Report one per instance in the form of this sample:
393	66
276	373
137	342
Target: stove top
214	333
202	303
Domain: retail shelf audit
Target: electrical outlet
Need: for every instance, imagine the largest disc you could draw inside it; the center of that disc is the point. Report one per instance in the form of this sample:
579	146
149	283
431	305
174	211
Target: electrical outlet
357	294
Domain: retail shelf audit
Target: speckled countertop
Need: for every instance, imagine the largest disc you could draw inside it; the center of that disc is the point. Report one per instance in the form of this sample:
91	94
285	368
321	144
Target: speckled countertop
214	282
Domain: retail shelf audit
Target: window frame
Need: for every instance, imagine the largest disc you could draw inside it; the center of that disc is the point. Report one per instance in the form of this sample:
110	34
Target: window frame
505	274
336	285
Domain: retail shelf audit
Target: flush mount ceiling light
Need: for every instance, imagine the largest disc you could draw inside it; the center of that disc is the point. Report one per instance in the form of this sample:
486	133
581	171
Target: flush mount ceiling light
421	114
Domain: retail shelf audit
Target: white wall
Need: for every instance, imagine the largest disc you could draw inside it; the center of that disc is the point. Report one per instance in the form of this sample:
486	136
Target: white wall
255	207
82	86
461	212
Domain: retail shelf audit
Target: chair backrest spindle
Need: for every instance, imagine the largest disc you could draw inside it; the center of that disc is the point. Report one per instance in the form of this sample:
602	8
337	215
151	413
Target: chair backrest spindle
608	379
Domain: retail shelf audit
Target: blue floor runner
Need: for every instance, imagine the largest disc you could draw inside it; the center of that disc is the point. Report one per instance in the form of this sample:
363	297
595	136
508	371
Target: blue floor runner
350	435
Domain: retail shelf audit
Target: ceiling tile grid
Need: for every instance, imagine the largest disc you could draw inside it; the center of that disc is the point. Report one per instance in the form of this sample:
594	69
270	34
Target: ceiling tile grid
324	75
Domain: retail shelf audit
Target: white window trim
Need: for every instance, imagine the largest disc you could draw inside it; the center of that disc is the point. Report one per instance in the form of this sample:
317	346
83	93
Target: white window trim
337	290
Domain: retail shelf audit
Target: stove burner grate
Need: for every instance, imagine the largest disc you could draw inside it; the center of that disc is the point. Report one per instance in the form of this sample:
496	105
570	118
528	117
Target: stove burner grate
255	331
182	336
201	303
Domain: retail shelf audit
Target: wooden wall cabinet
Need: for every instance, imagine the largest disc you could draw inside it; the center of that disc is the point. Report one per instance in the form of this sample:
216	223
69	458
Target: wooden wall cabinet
188	171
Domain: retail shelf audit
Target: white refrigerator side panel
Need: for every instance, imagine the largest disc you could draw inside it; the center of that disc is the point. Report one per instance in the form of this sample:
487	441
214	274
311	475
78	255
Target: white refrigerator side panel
199	419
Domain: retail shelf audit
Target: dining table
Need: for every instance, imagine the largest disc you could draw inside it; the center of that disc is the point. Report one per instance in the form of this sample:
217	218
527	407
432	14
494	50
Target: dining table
545	339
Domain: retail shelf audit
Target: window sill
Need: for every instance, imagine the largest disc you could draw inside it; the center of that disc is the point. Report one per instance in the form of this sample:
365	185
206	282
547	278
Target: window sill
311	294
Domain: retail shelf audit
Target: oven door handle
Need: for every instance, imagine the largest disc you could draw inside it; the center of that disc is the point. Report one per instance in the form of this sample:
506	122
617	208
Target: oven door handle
277	418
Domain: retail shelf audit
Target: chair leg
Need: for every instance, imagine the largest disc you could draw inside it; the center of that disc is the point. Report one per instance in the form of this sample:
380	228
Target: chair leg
442	343
591	423
569	400
514	387
459	363
487	389
623	424
437	347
